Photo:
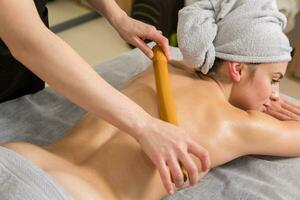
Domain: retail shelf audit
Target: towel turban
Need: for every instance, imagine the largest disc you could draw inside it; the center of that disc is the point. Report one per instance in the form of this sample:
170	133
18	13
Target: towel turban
249	31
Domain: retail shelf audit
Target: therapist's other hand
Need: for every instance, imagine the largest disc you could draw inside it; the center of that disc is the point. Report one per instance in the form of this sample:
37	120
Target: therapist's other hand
135	32
167	145
283	110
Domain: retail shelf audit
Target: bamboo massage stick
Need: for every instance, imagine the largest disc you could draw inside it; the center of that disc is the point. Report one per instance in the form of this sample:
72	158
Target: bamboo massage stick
164	93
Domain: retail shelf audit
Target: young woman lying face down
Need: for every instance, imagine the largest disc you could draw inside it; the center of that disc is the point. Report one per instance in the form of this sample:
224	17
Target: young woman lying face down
97	161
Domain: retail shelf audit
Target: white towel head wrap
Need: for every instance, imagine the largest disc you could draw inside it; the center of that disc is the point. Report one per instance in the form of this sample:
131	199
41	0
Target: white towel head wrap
248	31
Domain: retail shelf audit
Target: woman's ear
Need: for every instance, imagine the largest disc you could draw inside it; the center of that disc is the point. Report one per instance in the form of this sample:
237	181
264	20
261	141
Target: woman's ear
235	70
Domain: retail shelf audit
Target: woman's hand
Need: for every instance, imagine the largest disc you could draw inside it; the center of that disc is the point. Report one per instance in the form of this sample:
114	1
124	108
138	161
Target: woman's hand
167	145
135	32
283	110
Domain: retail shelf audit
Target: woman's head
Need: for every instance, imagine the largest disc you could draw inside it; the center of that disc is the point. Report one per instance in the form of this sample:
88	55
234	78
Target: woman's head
251	85
237	32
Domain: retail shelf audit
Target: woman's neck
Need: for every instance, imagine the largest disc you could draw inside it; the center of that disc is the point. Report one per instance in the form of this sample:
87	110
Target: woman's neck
224	87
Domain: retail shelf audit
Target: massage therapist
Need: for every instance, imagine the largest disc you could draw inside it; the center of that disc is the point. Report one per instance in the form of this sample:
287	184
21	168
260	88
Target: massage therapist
31	54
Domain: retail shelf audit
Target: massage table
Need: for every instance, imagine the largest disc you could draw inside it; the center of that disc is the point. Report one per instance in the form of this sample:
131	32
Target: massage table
44	117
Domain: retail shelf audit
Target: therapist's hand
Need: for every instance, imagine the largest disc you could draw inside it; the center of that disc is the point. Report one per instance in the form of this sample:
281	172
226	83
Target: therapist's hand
135	32
283	110
166	145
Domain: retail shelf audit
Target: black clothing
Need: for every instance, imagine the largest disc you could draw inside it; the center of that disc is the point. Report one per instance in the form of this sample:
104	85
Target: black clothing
161	14
15	79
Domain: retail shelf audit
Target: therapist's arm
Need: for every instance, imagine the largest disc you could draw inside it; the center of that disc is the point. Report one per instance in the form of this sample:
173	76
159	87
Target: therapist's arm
63	69
131	30
54	61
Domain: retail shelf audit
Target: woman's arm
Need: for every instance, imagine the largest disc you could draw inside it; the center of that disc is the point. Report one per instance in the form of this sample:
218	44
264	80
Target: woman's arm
265	135
283	110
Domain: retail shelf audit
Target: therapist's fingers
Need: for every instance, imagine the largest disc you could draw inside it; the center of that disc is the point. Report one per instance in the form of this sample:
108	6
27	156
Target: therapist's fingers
163	42
165	176
201	153
190	166
139	43
145	31
176	173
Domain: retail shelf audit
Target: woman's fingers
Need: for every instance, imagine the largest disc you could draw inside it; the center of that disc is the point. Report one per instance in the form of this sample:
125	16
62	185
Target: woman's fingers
291	103
291	107
283	110
287	109
287	113
277	115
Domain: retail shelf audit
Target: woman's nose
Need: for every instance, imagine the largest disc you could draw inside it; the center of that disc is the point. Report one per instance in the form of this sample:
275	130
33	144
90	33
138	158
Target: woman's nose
268	102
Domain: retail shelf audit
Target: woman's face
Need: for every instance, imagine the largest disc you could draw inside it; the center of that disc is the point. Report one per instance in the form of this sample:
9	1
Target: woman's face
254	90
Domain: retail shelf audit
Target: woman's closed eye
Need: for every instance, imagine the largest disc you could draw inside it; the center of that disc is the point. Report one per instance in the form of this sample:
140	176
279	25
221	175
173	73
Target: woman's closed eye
274	81
276	78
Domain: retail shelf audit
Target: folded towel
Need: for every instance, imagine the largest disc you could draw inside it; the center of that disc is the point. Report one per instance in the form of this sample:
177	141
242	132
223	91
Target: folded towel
248	31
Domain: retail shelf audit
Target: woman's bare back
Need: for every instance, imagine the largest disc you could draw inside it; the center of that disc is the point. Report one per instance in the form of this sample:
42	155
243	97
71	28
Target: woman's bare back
109	164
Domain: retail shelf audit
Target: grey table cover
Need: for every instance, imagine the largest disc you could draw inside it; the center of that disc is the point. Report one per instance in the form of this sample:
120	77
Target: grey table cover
44	117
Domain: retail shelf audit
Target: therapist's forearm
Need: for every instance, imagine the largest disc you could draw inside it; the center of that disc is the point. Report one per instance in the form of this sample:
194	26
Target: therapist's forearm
109	9
63	69
54	61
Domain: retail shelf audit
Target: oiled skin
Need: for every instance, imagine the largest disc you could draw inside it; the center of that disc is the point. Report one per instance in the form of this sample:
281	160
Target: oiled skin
97	161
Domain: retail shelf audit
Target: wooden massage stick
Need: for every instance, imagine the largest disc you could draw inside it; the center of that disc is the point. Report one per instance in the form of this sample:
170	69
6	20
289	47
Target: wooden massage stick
164	93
